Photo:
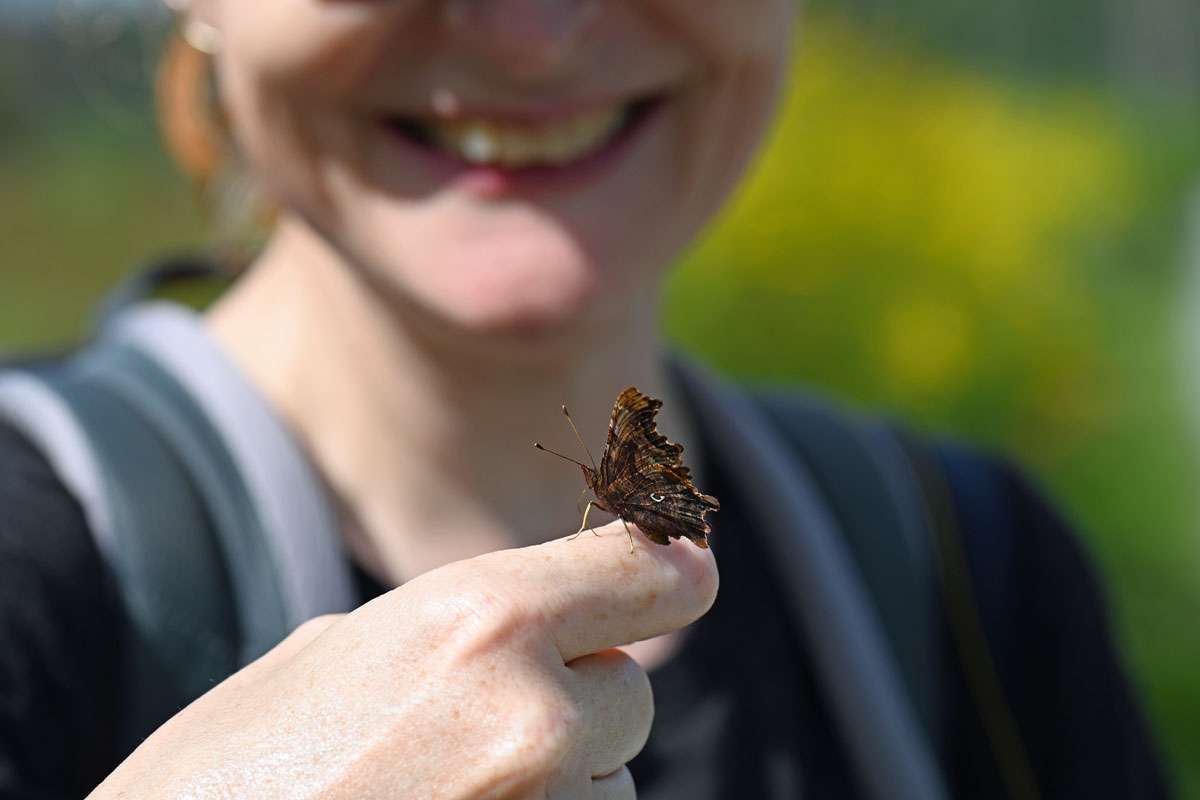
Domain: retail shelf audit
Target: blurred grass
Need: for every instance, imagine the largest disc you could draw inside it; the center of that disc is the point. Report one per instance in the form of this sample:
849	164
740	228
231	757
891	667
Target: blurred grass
79	207
991	259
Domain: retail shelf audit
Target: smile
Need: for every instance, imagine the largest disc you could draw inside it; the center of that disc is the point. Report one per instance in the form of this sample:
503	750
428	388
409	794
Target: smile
520	144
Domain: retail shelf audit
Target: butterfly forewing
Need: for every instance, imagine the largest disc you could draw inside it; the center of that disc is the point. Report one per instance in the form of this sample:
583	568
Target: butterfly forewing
633	441
642	478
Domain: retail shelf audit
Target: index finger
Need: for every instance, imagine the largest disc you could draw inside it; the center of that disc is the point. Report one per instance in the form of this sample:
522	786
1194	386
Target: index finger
595	594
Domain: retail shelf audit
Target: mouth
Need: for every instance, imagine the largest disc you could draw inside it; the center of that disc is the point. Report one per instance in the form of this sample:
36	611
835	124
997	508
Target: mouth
527	146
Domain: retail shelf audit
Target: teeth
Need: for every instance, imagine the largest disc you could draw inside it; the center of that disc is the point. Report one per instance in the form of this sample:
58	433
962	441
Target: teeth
482	141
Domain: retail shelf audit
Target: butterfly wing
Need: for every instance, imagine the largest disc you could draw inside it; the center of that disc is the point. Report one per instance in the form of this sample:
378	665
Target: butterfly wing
643	478
634	442
666	506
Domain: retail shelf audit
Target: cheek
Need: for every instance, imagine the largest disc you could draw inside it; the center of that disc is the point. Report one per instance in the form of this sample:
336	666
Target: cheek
289	73
294	144
276	148
324	46
728	31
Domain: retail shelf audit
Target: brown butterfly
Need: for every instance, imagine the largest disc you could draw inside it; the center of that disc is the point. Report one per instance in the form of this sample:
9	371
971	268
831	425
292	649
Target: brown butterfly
641	477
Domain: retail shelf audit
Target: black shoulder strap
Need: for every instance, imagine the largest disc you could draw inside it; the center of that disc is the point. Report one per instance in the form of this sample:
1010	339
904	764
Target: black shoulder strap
881	479
864	474
957	489
827	596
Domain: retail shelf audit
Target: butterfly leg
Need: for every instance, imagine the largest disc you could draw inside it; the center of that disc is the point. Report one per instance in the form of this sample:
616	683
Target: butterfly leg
584	526
581	494
630	534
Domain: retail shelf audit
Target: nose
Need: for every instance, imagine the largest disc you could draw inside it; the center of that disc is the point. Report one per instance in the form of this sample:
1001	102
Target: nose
525	37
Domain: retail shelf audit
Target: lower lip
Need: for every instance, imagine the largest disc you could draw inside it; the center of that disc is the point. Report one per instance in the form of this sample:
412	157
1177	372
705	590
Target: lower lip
495	181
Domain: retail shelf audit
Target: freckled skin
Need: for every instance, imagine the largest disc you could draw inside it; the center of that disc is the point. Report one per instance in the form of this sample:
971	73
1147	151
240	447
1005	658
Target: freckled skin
483	707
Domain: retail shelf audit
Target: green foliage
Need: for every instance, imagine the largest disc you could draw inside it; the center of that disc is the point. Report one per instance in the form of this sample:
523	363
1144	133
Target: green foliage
992	261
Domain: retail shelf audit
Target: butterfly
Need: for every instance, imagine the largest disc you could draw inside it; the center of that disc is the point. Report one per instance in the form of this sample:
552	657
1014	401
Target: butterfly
641	477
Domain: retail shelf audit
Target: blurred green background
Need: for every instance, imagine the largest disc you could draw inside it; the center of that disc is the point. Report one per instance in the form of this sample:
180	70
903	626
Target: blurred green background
982	218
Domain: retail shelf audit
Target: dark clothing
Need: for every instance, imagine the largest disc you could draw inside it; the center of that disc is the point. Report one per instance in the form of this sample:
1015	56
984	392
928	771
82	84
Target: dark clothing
58	649
738	712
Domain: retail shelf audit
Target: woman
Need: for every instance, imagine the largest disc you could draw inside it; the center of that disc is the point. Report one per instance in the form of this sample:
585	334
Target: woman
477	200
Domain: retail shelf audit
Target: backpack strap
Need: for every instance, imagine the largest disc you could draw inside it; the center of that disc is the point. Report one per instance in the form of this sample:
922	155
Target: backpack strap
875	498
217	532
961	493
879	477
153	533
883	734
234	530
294	514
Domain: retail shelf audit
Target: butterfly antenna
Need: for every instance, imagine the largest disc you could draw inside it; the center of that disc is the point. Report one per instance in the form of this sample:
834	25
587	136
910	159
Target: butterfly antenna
560	455
567	414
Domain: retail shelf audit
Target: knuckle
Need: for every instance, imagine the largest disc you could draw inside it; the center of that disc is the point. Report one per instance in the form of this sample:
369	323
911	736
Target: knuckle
622	703
626	674
533	739
637	682
617	785
638	701
474	615
549	729
468	622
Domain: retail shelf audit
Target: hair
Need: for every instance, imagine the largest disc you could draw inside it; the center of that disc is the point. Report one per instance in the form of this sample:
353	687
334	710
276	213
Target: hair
196	135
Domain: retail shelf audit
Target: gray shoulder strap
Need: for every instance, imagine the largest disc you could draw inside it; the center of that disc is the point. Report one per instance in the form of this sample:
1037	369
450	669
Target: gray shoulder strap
214	526
292	502
179	631
42	415
289	499
858	671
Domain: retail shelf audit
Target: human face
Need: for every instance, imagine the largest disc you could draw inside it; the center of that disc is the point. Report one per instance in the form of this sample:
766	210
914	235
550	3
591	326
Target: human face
504	166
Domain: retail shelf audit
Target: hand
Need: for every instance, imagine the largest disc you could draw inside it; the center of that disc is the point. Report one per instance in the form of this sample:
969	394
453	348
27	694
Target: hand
492	677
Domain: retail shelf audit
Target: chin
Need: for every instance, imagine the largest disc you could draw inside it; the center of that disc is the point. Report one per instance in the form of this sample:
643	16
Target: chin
508	271
523	293
526	305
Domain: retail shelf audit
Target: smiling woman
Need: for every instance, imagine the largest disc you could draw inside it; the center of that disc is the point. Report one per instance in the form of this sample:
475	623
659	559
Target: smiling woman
497	169
475	204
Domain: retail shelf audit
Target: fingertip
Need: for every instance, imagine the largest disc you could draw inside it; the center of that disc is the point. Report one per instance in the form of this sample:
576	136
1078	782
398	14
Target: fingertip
604	595
697	567
688	572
